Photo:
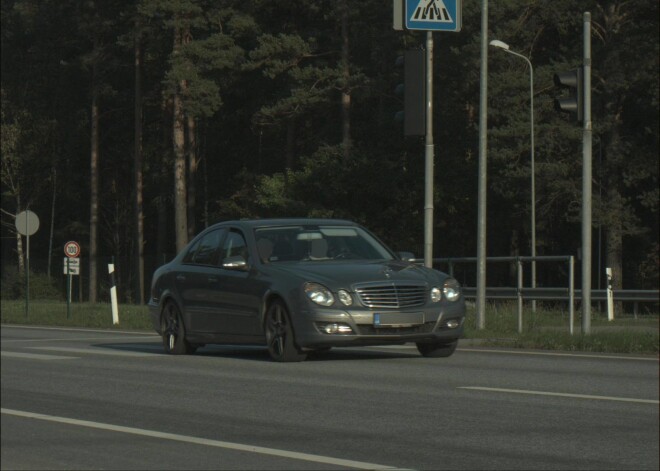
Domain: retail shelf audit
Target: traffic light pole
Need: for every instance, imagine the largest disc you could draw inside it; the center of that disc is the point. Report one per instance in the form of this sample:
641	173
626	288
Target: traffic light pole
428	156
586	180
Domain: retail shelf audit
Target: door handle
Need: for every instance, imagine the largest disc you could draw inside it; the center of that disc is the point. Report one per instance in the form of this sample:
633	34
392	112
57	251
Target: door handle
212	279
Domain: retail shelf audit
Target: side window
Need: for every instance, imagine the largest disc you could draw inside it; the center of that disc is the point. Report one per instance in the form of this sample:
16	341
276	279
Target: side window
205	252
191	252
234	245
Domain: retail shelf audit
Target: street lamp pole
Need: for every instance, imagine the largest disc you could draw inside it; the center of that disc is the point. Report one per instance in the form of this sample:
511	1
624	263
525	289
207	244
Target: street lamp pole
505	47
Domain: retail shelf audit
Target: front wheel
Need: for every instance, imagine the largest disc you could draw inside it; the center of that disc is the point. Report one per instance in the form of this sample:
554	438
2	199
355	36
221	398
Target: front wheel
437	349
174	332
279	335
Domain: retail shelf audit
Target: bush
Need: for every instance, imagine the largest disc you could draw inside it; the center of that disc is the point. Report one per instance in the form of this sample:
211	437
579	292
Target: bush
41	286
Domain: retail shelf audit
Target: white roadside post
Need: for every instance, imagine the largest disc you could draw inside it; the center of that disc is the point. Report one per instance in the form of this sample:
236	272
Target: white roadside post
610	295
113	294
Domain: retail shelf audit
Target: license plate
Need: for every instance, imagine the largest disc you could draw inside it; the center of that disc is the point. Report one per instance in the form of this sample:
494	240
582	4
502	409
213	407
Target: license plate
398	319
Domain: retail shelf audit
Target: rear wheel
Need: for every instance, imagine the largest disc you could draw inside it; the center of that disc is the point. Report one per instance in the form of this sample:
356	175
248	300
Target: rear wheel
279	335
437	349
174	332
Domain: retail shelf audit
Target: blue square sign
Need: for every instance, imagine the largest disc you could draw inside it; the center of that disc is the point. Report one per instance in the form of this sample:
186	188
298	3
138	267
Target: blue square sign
433	15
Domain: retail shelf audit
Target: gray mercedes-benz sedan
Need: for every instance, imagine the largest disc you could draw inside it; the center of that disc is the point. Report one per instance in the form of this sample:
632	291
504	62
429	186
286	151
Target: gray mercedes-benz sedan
299	286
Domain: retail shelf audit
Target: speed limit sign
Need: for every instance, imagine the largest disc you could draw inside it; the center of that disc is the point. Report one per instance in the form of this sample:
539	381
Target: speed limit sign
72	249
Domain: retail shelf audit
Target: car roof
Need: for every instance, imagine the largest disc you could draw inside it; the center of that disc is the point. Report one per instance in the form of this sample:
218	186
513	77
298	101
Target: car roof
257	223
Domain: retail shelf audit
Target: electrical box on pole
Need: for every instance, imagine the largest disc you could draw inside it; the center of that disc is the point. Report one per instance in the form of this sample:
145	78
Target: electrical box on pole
414	110
413	92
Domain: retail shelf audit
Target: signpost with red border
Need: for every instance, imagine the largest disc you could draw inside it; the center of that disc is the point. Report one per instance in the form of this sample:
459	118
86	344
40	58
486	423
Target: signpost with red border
72	251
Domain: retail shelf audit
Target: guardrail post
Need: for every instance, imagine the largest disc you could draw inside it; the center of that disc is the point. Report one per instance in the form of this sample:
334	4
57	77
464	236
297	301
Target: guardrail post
520	297
571	293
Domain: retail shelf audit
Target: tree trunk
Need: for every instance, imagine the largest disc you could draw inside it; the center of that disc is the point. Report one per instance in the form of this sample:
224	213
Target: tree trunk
178	142
137	172
614	242
19	253
163	241
19	241
52	221
192	176
94	186
346	94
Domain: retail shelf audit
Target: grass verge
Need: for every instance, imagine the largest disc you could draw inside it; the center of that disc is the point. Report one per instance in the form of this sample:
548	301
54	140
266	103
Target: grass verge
548	329
98	315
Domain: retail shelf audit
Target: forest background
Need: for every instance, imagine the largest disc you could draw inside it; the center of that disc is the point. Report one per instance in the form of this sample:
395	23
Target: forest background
129	126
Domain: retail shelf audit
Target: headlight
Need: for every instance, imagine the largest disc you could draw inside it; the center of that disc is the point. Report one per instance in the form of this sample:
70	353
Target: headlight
436	294
451	289
319	294
345	297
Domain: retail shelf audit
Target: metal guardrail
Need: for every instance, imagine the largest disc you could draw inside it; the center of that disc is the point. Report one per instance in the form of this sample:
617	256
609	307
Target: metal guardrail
562	294
568	293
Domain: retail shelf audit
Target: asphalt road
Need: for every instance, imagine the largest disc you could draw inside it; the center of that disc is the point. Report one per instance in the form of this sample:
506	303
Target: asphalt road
85	399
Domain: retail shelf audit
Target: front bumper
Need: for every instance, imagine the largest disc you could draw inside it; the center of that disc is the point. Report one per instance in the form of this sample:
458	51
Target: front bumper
433	323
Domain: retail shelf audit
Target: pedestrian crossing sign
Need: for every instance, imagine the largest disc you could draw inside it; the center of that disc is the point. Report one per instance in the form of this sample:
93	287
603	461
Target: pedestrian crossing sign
433	15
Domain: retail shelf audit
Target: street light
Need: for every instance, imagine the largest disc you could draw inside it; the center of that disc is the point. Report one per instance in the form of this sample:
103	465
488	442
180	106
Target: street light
505	47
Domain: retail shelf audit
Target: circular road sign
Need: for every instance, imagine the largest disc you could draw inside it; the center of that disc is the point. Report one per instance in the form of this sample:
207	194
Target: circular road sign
27	223
72	249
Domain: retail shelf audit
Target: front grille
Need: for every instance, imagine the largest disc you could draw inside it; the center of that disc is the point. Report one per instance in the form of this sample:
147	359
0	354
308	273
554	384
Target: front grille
392	295
365	329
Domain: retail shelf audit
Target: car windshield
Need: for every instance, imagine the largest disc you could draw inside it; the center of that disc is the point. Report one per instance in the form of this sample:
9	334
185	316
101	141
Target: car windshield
318	243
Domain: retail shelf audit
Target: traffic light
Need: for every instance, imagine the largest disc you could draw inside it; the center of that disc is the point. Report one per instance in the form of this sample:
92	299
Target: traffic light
413	90
574	103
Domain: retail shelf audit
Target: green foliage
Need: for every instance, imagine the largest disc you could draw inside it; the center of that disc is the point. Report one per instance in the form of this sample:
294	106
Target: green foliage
78	315
41	286
264	82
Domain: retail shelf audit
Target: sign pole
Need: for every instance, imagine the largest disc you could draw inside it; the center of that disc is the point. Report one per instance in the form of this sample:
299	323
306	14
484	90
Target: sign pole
586	179
429	16
27	223
27	272
68	288
428	156
72	251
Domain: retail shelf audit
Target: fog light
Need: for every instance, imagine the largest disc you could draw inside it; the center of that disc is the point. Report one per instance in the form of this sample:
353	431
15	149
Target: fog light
334	328
452	323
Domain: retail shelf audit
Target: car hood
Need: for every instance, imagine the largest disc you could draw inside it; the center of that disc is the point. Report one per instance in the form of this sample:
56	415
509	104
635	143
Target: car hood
344	274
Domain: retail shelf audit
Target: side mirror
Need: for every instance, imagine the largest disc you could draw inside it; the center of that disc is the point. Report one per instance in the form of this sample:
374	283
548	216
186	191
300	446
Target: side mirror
406	256
237	262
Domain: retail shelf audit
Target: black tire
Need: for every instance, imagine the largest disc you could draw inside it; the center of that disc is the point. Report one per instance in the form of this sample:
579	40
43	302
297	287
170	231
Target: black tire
437	349
174	332
280	338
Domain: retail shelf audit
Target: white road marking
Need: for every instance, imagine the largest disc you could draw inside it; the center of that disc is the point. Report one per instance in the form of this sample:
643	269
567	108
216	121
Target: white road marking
547	393
34	356
199	441
557	354
94	351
